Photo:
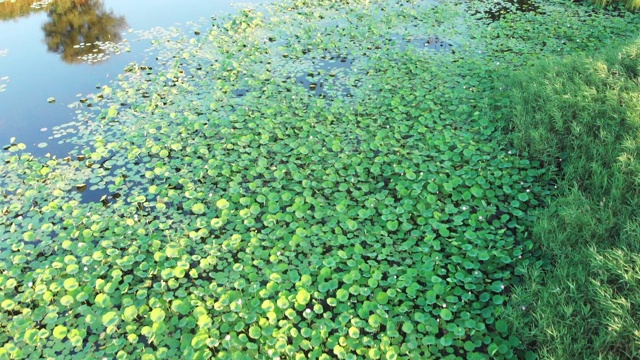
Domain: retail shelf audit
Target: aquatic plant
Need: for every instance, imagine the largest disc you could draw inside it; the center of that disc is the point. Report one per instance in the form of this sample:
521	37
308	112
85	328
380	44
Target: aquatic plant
244	214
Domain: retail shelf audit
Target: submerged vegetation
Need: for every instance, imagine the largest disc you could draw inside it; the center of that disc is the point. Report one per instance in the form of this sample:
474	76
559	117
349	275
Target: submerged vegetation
293	184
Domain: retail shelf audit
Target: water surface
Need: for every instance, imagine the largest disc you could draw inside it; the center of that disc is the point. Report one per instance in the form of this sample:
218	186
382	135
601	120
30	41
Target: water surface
66	49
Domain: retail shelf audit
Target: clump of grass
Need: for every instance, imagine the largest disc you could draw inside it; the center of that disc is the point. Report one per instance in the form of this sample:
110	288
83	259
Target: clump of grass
582	115
630	4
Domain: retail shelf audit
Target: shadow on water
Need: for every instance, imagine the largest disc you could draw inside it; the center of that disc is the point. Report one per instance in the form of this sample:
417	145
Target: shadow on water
325	79
80	30
501	8
431	43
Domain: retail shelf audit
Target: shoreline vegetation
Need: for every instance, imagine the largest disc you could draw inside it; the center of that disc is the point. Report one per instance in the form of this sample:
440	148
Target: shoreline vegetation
583	298
423	181
630	4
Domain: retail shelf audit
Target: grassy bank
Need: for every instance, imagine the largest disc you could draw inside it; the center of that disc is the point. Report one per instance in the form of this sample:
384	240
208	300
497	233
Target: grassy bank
630	4
582	115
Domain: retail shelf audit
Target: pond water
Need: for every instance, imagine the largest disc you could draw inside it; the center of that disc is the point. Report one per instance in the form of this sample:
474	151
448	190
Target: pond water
53	53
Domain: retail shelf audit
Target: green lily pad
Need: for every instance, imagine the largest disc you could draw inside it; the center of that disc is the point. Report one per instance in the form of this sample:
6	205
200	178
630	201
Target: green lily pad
303	297
198	208
70	284
60	332
110	318
157	315
222	204
446	314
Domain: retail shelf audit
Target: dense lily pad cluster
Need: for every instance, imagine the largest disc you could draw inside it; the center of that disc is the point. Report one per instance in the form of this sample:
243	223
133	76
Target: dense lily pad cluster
245	214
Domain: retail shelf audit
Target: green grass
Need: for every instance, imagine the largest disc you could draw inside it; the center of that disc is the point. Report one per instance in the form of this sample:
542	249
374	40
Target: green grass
630	4
583	115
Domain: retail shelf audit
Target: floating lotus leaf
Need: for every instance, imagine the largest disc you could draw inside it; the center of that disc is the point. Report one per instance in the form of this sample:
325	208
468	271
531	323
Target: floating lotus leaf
198	208
222	204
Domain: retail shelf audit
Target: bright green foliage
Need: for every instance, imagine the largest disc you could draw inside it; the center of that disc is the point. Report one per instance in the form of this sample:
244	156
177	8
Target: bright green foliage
110	318
303	297
359	199
60	332
198	208
157	315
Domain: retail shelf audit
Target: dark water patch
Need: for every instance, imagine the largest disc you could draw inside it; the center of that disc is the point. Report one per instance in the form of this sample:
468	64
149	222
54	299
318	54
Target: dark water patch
240	92
327	77
498	9
435	43
432	43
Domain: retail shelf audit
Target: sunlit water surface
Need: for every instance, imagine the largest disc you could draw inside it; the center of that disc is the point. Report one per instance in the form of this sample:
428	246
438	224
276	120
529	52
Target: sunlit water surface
51	55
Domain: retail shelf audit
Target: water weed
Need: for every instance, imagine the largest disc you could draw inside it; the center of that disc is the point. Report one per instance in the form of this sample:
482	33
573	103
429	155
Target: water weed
244	213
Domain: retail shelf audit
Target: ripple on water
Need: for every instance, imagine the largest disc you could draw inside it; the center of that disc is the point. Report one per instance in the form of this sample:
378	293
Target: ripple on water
4	81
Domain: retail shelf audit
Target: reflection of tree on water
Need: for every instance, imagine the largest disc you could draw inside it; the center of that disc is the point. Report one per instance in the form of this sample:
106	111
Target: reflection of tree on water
75	22
15	9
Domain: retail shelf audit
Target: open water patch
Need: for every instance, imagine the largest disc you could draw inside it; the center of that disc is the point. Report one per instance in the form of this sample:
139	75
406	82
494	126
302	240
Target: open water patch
433	43
496	10
328	77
